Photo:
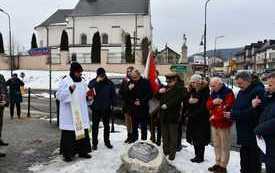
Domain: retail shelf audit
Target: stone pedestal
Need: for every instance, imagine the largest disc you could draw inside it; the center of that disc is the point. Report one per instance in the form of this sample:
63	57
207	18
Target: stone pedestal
143	157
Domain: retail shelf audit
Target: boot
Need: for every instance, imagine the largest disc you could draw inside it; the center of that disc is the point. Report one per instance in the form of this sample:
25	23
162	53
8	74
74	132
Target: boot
221	170
108	145
129	138
85	156
2	155
213	168
67	159
94	147
2	143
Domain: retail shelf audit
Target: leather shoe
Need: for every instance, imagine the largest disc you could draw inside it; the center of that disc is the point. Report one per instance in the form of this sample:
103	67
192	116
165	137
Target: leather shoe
68	159
2	155
94	147
85	156
108	145
2	143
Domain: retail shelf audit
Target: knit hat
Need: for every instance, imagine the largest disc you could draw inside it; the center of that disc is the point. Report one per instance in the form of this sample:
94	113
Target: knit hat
76	67
196	77
100	71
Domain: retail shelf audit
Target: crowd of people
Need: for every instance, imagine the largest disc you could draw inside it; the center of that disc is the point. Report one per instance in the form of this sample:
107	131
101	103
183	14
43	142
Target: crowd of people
207	107
10	96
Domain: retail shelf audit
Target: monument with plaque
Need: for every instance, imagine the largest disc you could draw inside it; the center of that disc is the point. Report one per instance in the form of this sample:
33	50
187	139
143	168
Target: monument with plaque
144	157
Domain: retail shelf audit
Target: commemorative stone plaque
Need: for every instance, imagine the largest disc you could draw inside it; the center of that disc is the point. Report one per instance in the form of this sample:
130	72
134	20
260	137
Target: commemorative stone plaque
144	157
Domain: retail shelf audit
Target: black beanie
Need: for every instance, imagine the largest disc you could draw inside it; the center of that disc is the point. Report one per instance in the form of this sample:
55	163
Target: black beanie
100	71
76	67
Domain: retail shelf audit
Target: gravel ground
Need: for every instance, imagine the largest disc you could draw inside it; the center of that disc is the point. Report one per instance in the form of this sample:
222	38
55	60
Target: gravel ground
30	141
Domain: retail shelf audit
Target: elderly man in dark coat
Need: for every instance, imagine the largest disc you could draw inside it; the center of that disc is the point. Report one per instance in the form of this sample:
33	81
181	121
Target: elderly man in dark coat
170	107
139	96
246	116
198	126
15	94
266	127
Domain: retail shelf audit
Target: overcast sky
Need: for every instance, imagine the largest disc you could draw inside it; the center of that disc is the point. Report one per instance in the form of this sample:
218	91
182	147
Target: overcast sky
240	21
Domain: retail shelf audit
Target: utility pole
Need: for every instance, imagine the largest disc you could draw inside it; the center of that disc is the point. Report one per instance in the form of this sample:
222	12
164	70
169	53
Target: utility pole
205	36
11	58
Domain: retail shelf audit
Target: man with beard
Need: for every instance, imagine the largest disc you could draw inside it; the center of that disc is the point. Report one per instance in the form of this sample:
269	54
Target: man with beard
104	99
72	92
140	94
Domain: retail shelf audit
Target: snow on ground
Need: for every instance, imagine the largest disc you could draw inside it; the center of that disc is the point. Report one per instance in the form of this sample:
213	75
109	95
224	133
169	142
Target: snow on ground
108	161
36	79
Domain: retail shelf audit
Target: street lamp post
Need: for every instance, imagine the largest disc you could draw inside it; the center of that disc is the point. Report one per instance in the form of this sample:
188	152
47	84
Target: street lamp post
11	59
205	32
215	47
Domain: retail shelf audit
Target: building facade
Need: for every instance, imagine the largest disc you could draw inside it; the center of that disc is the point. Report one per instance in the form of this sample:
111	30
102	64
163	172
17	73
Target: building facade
257	56
112	18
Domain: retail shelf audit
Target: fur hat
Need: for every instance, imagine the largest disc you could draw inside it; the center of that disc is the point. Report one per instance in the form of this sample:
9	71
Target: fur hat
196	77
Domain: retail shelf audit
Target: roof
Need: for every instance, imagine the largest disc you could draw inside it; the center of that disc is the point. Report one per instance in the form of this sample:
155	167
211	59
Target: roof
169	50
107	7
58	17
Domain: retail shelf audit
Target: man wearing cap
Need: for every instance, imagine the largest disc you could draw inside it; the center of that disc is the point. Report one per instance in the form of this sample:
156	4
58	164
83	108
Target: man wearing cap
104	99
170	106
72	92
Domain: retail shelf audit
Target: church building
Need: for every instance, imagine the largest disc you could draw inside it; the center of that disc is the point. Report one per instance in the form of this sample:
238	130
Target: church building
113	19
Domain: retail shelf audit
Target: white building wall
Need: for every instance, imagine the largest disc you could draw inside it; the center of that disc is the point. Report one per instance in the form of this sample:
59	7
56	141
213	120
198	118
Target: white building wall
54	35
109	25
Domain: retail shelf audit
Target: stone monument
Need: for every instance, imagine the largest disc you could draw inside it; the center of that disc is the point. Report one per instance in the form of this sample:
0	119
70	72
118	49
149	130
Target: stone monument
184	49
144	157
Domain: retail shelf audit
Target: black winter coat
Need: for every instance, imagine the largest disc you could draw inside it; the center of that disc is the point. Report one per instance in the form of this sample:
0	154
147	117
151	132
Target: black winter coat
198	125
14	85
141	91
105	94
266	129
172	98
124	92
245	116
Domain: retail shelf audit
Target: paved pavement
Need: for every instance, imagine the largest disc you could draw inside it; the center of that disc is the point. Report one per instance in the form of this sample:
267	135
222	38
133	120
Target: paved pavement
30	141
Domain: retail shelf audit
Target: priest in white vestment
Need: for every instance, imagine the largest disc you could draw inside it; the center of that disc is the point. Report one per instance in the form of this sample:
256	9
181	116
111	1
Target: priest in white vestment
74	117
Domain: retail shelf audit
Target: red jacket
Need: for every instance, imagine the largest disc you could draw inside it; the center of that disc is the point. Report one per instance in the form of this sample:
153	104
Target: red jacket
217	118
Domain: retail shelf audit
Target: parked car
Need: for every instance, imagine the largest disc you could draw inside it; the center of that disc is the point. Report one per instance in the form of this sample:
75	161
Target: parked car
117	110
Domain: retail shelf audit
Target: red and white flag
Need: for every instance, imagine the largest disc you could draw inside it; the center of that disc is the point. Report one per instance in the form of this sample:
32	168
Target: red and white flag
150	72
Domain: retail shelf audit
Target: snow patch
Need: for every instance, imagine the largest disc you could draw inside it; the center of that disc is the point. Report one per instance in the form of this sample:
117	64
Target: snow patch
108	161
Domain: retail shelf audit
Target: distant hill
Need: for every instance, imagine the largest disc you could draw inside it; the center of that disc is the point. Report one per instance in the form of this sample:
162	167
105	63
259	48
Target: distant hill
225	54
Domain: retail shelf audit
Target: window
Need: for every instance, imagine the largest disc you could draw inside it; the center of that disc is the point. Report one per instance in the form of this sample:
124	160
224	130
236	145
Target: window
115	26
104	38
83	39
